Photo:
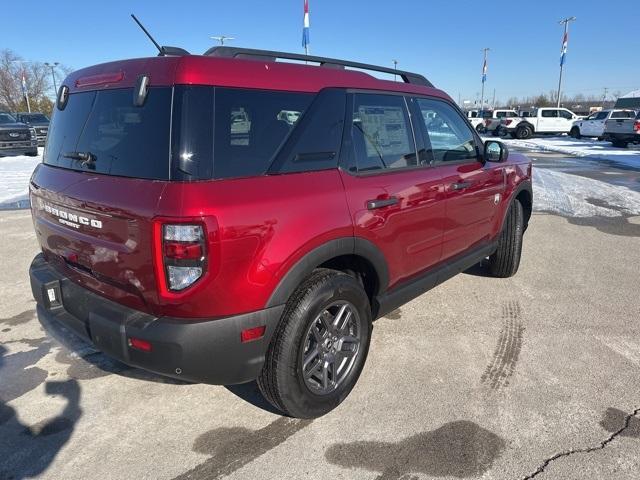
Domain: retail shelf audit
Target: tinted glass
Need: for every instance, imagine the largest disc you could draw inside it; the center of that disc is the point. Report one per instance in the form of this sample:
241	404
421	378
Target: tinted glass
120	138
623	114
450	137
315	142
192	132
381	132
549	113
34	117
565	114
250	126
601	116
6	118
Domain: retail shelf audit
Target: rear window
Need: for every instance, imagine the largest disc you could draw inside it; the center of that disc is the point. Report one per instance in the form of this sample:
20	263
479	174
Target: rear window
120	138
623	114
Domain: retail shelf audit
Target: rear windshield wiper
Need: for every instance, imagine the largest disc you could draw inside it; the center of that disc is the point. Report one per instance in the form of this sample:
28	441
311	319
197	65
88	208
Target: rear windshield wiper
86	158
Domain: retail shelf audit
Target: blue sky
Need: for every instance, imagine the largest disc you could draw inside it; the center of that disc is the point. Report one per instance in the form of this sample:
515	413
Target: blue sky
439	39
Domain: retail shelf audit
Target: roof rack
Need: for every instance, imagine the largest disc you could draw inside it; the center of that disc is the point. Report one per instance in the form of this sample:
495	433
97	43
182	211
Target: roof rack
268	55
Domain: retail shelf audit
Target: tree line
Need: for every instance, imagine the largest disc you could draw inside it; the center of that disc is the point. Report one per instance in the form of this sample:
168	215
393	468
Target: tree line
38	80
550	100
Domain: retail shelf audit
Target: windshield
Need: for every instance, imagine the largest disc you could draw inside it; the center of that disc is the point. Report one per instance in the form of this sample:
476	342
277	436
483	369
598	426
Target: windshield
34	118
6	118
623	114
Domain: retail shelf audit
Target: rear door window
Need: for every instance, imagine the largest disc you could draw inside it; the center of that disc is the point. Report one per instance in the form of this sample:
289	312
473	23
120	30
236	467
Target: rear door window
250	126
549	113
381	132
120	138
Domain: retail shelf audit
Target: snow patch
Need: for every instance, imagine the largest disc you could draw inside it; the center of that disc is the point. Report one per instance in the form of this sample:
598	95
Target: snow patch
574	196
15	173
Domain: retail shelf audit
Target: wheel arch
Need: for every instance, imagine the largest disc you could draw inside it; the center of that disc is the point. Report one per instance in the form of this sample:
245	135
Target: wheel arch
524	194
354	255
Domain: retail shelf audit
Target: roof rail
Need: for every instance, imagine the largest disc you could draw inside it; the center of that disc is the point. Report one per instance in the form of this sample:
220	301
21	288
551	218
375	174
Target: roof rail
268	55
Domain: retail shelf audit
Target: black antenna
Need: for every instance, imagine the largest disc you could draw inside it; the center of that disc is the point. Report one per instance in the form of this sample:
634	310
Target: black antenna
160	49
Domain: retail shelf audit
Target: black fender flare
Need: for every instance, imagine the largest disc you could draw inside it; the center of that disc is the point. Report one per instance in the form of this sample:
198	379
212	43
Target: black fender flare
524	185
325	252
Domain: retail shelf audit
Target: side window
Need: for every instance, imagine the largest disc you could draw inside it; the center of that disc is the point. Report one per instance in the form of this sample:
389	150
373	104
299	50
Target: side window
250	126
381	132
314	144
501	114
565	114
549	113
450	138
601	116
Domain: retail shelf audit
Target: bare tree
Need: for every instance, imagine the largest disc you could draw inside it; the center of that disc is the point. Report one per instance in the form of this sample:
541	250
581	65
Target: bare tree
37	79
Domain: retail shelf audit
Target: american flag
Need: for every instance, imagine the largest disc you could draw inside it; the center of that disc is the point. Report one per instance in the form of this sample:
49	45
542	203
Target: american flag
484	71
563	51
305	28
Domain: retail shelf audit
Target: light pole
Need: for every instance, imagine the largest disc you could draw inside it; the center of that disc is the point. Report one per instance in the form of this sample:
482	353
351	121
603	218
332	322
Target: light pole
484	79
222	38
52	66
563	52
395	68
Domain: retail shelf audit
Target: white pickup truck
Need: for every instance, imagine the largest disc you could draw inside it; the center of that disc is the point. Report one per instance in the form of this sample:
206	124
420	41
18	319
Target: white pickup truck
593	125
476	119
493	122
622	131
541	120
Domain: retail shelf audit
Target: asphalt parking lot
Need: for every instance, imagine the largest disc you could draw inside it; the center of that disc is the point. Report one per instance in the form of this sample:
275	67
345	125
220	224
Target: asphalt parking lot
534	376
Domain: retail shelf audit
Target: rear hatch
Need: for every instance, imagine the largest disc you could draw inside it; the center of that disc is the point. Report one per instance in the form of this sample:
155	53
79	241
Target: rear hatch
93	199
621	123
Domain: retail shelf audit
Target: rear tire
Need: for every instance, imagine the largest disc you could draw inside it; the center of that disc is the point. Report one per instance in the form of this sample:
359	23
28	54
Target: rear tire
619	143
524	132
288	379
505	261
33	153
480	128
575	133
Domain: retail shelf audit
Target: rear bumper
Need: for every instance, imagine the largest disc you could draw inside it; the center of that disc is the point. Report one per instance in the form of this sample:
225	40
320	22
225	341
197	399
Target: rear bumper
623	137
12	149
202	350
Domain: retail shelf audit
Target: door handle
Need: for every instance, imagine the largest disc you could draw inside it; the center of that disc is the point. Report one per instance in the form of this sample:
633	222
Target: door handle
460	185
380	203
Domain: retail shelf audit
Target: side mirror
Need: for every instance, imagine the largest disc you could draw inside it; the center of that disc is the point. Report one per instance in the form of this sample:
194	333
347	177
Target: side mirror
495	151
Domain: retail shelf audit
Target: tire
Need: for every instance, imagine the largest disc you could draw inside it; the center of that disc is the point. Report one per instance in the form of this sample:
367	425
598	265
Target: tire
619	143
504	262
523	132
33	153
304	321
575	133
480	128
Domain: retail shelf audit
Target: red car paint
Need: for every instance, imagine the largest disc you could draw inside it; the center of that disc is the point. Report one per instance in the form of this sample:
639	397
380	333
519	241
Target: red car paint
257	228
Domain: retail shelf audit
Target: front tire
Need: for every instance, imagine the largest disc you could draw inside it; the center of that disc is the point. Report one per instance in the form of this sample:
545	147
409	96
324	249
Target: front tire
480	128
505	260
619	143
320	346
575	133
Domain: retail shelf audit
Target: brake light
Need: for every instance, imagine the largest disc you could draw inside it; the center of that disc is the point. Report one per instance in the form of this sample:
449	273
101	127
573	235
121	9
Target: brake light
636	126
181	254
507	122
487	122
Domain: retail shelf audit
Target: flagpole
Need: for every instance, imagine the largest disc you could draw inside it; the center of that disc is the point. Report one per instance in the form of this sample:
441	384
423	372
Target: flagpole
305	28
563	53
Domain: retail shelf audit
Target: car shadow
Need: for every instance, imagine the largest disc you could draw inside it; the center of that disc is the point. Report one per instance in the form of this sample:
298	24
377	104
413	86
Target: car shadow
480	269
27	451
250	392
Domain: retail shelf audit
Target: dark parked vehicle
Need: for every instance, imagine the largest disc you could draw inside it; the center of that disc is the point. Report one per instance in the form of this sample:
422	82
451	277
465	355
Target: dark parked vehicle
16	138
229	217
39	121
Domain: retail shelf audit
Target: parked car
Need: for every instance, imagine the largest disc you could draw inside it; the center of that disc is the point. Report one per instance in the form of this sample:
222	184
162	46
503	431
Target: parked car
36	120
622	131
262	252
593	125
16	138
476	119
493	122
542	120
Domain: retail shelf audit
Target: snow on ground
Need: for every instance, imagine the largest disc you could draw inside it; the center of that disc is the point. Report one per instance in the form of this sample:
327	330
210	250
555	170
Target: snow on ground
585	148
15	173
575	196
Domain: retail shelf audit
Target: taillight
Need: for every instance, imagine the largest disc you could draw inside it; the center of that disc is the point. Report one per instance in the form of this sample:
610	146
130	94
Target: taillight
183	254
487	122
636	126
507	122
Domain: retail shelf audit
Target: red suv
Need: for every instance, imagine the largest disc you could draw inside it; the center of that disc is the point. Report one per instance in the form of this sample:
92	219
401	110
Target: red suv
227	217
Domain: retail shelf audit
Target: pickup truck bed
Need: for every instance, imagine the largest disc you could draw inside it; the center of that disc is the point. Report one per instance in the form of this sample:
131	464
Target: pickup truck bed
622	131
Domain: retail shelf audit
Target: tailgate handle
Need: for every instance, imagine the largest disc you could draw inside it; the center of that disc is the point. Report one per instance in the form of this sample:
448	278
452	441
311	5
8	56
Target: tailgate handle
381	203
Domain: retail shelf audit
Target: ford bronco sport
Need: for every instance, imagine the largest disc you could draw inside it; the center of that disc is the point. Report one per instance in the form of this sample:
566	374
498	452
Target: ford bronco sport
227	217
